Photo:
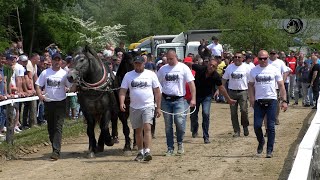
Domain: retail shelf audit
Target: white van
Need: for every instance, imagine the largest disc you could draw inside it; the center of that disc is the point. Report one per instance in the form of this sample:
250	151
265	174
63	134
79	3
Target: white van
181	49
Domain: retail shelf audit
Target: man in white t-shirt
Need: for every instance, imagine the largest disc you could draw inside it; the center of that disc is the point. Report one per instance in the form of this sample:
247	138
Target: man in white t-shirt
237	74
173	78
215	48
54	80
282	68
263	98
144	89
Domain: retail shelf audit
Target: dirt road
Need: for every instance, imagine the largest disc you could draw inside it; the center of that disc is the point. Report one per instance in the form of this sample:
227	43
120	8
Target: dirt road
225	158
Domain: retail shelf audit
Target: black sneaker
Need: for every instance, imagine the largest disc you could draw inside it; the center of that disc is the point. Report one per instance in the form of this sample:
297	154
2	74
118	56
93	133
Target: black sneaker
207	141
147	156
54	156
139	157
269	155
245	131
194	135
306	105
314	107
260	148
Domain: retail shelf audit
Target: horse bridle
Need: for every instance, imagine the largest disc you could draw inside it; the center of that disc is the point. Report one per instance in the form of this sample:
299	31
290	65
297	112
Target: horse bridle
101	85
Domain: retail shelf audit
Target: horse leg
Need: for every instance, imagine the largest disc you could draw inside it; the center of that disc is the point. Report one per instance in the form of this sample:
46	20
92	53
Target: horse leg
90	132
114	125
123	116
105	137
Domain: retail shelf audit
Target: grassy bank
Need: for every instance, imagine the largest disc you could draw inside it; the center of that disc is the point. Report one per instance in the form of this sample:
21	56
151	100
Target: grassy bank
39	135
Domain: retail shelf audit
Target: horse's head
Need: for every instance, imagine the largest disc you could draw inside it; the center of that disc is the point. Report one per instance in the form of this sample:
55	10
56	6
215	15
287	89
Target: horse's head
79	65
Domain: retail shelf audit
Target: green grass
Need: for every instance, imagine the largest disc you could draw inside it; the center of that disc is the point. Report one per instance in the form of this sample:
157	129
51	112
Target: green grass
39	135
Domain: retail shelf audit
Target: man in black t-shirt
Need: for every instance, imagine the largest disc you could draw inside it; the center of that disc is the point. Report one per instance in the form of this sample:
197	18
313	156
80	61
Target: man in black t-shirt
203	51
314	76
205	80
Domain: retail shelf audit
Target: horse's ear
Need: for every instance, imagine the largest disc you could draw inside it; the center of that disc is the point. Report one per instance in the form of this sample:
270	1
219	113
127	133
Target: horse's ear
90	50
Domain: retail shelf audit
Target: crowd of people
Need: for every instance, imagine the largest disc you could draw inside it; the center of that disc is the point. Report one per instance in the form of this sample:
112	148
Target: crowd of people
268	81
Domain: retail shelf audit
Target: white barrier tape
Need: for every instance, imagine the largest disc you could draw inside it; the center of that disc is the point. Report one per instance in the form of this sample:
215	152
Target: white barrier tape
180	113
11	101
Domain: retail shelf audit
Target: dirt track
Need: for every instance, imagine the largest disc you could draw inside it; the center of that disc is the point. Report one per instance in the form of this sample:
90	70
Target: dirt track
225	158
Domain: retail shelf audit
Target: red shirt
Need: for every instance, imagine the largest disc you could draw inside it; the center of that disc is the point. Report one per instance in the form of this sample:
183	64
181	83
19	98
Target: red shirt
255	61
292	62
188	95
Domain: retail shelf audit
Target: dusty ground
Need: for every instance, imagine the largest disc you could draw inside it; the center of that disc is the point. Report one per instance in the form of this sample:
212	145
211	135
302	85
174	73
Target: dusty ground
225	158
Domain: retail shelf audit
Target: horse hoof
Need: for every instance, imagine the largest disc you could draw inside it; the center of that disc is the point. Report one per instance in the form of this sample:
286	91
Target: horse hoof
109	142
100	149
91	155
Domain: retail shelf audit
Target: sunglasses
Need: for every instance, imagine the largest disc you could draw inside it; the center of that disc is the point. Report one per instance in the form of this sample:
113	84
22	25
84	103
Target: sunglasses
272	53
263	59
237	57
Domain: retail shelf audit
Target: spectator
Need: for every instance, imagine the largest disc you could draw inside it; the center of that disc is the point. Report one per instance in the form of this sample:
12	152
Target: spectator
298	86
120	48
52	49
292	63
304	72
203	51
215	48
55	81
314	76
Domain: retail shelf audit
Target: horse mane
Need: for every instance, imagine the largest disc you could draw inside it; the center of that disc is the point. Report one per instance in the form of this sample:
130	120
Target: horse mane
125	66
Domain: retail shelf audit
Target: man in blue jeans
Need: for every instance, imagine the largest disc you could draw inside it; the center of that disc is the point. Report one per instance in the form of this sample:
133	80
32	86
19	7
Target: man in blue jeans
173	78
205	80
263	98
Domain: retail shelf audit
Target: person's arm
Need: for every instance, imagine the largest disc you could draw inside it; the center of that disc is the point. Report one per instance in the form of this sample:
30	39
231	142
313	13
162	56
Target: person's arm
157	96
122	96
283	96
251	92
193	93
39	93
224	92
314	76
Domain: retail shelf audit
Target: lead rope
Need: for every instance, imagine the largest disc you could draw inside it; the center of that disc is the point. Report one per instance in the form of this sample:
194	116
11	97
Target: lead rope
180	113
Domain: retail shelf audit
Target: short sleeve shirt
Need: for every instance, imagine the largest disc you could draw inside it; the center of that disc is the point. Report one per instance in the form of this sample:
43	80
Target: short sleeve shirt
237	76
264	79
54	83
141	87
173	79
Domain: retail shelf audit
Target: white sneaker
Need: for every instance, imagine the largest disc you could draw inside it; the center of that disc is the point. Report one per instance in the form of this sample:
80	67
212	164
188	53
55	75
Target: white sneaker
4	129
17	129
1	135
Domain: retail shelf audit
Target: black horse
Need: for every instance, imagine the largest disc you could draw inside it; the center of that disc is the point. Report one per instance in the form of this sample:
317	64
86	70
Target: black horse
125	66
95	94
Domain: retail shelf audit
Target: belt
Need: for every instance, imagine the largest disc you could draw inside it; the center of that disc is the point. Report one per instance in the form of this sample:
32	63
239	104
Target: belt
170	97
237	90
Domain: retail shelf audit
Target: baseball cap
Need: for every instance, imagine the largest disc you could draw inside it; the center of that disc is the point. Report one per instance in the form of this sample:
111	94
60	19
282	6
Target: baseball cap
187	60
56	55
159	62
249	56
138	59
23	58
9	57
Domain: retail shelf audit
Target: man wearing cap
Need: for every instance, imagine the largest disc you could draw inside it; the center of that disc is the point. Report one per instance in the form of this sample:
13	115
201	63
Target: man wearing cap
173	77
206	79
284	71
29	110
215	48
144	89
248	61
237	74
263	98
54	79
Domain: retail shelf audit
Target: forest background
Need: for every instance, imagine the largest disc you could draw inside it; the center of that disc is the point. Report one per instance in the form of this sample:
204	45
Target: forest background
253	22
